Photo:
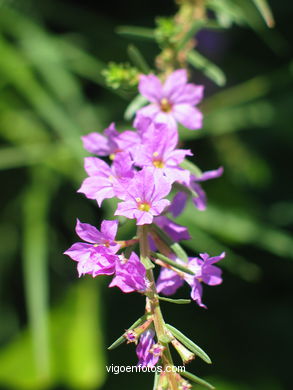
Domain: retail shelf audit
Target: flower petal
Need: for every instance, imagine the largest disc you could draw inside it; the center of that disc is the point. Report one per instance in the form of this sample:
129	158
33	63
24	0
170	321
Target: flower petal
190	94
188	116
176	80
150	87
88	233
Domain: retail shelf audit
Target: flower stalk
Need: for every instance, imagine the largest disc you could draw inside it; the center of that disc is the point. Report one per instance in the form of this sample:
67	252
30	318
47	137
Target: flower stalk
154	304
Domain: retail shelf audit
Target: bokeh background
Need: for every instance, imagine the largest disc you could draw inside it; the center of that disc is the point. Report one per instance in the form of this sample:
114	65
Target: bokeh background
54	327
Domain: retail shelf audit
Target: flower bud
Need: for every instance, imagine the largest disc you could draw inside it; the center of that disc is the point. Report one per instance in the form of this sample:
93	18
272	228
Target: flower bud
184	353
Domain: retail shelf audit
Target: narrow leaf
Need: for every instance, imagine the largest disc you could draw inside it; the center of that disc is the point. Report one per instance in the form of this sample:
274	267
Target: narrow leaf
209	69
172	262
176	248
189	344
197	380
137	58
177	301
191	167
156	380
35	257
134	105
136	32
265	12
121	339
179	252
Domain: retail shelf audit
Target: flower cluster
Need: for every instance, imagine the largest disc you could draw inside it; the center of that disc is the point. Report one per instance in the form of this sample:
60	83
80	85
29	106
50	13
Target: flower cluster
144	170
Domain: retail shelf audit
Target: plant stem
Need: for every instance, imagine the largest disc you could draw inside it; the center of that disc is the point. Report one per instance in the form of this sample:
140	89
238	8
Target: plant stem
153	300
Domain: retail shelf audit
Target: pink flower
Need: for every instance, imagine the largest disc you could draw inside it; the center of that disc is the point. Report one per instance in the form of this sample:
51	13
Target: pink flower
144	350
158	151
96	256
172	101
130	274
179	201
204	271
111	143
143	196
104	181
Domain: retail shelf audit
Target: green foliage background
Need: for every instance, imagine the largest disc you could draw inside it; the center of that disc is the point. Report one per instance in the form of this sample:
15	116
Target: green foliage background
54	328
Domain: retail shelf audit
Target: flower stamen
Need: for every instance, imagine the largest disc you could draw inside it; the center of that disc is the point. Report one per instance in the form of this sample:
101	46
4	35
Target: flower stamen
166	106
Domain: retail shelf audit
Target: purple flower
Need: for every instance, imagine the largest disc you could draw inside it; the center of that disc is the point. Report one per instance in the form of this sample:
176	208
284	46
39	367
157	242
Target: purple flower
143	196
144	348
130	274
97	256
102	145
172	101
204	271
180	199
111	143
158	151
174	230
105	181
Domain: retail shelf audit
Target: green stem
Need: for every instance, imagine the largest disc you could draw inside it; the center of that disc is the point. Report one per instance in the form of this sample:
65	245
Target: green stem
153	298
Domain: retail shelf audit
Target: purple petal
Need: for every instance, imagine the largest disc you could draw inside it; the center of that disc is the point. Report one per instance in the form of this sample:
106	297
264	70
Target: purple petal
162	187
178	204
210	174
168	119
146	358
126	209
190	94
188	116
168	282
143	217
148	112
130	275
88	233
177	174
201	201
96	143
95	167
109	229
79	251
175	81
175	231
97	188
150	87
212	260
212	275
196	293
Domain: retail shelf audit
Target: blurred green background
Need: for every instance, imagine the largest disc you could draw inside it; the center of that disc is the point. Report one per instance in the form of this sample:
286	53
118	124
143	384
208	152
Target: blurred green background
54	327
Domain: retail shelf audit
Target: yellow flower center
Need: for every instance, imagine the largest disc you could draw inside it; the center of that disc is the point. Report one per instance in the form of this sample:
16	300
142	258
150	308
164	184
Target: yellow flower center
142	206
158	163
165	105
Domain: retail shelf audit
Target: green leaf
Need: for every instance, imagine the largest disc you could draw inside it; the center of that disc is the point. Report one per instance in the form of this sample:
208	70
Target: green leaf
265	11
197	380
177	301
137	59
189	344
176	248
136	32
121	339
172	262
191	167
35	246
134	105
240	228
179	252
209	69
77	365
156	380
